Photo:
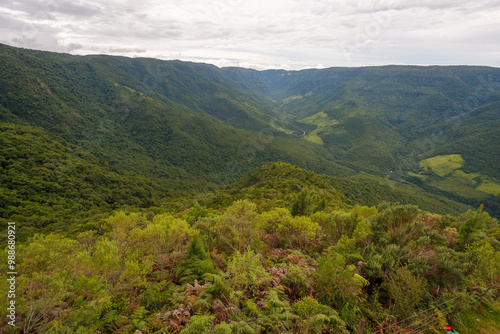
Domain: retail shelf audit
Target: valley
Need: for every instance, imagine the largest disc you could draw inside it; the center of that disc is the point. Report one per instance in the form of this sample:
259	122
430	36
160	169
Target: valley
155	196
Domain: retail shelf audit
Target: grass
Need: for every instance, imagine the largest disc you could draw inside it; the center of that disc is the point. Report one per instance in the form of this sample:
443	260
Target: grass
443	165
443	172
459	183
485	321
295	97
322	121
420	176
466	179
314	138
489	187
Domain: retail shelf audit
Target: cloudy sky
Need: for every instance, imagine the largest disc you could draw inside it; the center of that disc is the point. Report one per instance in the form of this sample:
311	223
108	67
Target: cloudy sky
262	34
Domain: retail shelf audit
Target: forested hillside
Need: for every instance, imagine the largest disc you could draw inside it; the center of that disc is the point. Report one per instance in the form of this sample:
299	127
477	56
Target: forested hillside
122	118
171	119
154	196
389	120
285	254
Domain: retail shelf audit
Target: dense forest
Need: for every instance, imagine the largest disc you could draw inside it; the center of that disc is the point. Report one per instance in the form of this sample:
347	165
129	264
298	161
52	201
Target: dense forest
431	127
279	254
154	196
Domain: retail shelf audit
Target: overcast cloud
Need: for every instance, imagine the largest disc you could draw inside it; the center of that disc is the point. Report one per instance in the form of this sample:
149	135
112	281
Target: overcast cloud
263	34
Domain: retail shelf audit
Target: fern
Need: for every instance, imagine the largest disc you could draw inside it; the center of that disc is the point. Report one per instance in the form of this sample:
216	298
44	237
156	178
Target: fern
138	319
112	320
223	328
242	327
199	324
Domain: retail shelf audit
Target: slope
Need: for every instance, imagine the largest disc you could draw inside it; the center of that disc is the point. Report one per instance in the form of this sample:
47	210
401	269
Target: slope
388	120
92	102
169	119
277	183
48	184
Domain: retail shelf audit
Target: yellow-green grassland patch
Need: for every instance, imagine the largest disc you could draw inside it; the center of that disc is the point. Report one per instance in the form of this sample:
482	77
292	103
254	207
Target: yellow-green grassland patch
322	122
459	183
489	186
443	165
444	172
295	97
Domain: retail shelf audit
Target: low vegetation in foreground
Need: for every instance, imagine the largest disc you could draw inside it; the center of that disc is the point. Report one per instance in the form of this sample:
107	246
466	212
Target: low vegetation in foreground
290	259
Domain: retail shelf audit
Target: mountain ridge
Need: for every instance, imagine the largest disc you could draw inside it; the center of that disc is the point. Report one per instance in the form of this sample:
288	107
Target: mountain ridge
159	118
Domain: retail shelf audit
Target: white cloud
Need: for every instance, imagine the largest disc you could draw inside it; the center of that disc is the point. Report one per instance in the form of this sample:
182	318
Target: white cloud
263	34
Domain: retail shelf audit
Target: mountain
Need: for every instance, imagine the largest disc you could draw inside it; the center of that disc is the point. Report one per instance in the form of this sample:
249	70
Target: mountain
199	127
389	120
278	251
133	121
51	185
277	182
409	109
151	196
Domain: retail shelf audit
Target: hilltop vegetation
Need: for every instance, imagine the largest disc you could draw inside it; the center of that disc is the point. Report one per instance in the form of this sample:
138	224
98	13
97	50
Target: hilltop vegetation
274	183
286	255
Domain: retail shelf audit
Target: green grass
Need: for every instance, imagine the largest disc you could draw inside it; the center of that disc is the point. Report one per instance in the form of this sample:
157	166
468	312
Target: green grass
322	122
484	321
459	183
489	187
443	165
443	172
295	97
314	138
420	176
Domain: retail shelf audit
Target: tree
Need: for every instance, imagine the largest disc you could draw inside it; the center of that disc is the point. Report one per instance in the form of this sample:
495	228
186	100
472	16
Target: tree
234	230
472	225
406	290
286	231
197	262
485	276
245	271
305	203
336	282
393	223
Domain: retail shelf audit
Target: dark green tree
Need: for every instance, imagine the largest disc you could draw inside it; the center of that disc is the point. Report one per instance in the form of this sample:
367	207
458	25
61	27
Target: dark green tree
197	262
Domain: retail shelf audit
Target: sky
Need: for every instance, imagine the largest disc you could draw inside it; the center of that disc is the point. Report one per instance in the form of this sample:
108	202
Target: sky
262	34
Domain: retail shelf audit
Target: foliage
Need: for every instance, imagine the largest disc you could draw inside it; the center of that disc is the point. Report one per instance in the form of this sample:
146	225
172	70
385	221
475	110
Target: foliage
246	271
50	185
298	232
317	318
197	262
235	230
406	290
472	225
115	184
336	282
138	273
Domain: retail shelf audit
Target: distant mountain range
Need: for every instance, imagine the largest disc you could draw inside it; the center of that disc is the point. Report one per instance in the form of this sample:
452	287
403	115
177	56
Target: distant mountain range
163	129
